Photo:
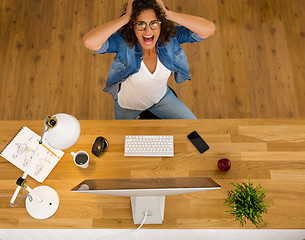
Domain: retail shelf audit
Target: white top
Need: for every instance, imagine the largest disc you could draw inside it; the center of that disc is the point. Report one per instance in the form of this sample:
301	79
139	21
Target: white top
144	89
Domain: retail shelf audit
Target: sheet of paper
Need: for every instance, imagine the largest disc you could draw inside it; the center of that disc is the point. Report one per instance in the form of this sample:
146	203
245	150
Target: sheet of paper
20	151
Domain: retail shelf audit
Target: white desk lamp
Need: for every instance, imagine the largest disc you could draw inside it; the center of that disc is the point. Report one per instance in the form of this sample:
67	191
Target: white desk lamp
60	131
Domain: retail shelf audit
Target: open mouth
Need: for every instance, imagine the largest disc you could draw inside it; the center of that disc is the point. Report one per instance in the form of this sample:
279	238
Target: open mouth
148	39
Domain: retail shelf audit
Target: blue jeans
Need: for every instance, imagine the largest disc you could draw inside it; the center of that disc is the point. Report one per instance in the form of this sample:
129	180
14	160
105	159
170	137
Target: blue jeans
169	107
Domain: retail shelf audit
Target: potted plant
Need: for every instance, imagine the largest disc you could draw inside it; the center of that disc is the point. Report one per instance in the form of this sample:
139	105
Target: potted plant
247	203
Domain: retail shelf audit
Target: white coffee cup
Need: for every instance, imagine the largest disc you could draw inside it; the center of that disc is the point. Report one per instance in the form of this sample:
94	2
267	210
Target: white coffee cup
81	159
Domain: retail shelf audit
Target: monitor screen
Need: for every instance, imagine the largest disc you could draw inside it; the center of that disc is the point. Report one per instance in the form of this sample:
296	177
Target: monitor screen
146	186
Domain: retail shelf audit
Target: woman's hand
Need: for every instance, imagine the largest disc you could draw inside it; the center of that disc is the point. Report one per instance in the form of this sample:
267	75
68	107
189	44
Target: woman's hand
129	8
199	25
162	6
95	38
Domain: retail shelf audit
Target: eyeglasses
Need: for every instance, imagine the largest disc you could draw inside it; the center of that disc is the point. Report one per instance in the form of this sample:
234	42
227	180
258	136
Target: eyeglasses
154	25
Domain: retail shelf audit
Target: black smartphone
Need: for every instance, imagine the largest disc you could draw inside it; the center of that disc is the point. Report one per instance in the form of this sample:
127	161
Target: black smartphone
198	142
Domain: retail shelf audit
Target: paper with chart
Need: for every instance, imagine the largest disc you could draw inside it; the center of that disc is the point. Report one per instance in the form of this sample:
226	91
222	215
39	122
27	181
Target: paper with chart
20	151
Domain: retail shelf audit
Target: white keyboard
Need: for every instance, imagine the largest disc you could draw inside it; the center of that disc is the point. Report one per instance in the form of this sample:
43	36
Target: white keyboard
149	146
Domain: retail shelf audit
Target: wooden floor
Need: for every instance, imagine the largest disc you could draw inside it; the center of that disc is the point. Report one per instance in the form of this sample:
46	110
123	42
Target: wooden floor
253	66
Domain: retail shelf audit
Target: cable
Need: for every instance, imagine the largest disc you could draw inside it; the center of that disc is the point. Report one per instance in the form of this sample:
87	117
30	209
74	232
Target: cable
117	235
28	195
22	197
144	219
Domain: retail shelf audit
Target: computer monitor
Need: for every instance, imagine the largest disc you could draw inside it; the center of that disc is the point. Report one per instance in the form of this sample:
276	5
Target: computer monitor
146	193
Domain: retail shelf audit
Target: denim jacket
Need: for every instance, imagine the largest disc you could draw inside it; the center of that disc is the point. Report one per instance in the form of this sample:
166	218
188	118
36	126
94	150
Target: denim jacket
127	60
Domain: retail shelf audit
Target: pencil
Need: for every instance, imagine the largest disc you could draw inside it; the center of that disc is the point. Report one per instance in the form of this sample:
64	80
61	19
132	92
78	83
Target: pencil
49	150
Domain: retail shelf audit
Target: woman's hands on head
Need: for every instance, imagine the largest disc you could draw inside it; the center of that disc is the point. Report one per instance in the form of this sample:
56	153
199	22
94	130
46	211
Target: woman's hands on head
129	7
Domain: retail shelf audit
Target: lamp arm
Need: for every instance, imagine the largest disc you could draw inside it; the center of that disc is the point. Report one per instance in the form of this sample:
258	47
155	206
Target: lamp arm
15	195
44	131
33	194
21	180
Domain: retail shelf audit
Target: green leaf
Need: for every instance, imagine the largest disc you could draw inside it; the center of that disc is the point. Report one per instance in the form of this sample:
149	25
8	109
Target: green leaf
247	203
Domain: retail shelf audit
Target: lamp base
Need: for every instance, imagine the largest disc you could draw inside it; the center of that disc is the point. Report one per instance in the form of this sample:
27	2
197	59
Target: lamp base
48	206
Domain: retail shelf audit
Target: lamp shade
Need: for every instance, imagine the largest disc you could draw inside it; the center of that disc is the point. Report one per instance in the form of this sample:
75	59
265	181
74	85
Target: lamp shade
65	133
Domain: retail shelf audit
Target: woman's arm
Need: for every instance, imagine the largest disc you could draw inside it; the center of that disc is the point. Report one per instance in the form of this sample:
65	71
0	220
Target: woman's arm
95	38
201	26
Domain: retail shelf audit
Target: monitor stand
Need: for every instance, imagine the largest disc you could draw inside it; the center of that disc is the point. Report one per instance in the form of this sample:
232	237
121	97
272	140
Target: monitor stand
146	193
155	206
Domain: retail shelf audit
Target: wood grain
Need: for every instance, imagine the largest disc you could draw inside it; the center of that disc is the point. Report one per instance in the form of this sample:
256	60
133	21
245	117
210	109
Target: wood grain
252	67
268	151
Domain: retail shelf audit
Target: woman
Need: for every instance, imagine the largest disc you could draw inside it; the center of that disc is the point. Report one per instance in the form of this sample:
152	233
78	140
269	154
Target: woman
147	47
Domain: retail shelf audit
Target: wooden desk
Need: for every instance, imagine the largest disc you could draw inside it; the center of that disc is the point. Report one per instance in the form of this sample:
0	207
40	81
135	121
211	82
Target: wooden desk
270	152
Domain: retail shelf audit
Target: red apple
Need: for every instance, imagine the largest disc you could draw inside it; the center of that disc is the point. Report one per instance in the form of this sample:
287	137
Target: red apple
224	164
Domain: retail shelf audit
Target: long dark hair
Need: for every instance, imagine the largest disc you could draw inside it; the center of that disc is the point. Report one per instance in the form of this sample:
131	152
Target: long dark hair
138	6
